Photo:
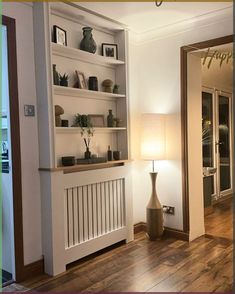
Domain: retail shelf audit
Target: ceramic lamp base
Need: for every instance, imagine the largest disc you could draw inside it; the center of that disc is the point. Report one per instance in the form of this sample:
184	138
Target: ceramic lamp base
154	223
154	213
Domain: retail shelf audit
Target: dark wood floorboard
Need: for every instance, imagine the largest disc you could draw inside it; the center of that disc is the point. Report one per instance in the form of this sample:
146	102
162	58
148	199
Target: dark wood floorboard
220	222
168	265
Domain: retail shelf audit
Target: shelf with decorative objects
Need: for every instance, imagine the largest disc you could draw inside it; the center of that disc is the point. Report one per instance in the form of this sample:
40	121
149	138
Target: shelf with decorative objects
74	130
84	56
76	92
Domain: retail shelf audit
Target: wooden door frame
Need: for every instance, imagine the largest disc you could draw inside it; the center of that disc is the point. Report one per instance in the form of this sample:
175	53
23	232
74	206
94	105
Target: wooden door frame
22	271
184	117
15	146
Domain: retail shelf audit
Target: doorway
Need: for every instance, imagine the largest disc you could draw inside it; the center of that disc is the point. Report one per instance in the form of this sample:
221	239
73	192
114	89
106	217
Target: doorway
11	156
193	204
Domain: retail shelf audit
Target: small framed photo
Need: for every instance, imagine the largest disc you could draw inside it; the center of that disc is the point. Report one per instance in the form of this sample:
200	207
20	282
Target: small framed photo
81	80
60	36
110	50
96	120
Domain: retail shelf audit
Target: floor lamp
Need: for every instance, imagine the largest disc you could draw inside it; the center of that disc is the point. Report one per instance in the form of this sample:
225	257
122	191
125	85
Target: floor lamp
153	148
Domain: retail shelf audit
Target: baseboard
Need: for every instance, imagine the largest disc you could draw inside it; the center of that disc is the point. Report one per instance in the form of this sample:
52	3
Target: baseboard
174	233
139	227
33	269
168	232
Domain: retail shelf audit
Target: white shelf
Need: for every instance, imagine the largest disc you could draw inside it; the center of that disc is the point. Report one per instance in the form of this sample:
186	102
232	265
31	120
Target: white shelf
64	130
84	56
75	92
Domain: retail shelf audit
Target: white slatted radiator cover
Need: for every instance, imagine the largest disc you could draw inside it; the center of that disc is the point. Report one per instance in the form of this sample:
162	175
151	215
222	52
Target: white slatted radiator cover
93	210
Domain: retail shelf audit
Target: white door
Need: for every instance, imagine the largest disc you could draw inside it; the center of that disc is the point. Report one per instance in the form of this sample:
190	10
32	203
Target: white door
216	139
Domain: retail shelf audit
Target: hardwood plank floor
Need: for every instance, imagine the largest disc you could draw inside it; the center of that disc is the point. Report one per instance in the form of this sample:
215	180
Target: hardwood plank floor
220	222
167	265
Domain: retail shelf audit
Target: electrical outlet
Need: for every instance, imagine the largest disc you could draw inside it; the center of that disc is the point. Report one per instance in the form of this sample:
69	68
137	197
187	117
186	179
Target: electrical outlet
168	209
29	110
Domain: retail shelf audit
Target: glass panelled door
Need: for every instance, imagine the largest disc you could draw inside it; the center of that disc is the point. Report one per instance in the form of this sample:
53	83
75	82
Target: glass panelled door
216	140
224	143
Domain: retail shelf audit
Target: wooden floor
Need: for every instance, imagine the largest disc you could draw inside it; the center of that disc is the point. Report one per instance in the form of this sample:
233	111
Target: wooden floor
220	223
168	265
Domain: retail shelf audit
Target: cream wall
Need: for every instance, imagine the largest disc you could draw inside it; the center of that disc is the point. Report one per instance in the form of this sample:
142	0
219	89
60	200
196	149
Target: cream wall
28	130
158	73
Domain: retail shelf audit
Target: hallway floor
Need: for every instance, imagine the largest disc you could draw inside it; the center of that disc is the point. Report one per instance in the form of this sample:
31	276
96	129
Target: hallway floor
168	265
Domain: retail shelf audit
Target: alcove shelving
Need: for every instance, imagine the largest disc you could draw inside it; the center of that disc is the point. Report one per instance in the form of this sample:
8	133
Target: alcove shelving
68	140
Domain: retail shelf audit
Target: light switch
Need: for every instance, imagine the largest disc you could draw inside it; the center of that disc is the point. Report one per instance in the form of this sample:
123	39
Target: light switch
29	110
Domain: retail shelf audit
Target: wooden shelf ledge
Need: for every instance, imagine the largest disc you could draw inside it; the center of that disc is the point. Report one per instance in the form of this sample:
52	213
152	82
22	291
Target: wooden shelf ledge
85	167
84	93
84	56
77	130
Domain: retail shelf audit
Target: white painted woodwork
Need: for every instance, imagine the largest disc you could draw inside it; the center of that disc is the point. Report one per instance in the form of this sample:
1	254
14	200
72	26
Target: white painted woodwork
75	92
85	211
91	210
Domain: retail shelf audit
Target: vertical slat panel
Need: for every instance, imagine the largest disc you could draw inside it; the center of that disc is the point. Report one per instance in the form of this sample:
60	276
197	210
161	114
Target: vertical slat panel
75	217
124	202
70	218
107	205
94	209
85	213
121	201
66	218
118	204
98	209
114	204
111	204
81	214
90	215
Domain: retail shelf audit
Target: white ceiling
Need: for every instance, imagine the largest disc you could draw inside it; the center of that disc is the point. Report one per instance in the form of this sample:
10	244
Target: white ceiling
142	17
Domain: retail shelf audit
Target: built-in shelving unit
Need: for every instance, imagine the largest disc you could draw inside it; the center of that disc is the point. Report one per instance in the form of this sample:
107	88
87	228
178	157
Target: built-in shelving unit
85	207
69	59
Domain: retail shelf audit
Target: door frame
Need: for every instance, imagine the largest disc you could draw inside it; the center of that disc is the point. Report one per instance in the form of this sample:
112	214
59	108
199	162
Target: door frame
184	50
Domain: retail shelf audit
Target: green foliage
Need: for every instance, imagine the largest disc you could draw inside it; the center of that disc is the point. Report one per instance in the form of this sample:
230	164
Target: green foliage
64	77
83	121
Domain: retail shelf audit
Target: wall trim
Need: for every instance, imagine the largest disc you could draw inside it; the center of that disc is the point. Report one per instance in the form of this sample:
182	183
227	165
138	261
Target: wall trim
168	232
33	269
204	20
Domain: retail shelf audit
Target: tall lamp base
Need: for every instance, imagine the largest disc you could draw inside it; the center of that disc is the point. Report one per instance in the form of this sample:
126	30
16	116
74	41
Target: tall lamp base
154	213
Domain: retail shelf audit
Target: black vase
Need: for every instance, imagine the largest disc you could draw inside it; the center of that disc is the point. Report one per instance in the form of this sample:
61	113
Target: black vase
110	119
93	83
56	78
88	43
87	154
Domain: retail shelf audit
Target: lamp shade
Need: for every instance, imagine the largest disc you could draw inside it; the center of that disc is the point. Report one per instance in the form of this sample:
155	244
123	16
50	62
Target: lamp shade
153	136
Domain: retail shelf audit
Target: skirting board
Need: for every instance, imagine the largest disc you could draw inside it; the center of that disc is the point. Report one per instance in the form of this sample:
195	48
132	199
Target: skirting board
168	232
32	270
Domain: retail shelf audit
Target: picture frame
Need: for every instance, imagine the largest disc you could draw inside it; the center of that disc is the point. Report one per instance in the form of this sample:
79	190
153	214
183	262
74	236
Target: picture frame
96	120
109	50
60	36
81	80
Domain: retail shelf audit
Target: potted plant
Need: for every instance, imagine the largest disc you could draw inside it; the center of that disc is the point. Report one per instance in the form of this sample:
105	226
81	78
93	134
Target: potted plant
64	80
87	130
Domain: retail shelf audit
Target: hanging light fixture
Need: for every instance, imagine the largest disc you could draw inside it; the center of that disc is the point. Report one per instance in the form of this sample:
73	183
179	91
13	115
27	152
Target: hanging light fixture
158	3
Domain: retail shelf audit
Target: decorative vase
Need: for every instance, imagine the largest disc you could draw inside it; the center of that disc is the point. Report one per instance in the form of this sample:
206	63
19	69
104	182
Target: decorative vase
116	89
87	154
110	119
64	83
88	43
93	84
56	79
154	213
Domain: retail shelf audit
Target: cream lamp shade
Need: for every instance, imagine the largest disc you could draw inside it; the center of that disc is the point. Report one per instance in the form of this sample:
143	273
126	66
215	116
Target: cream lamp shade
153	136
